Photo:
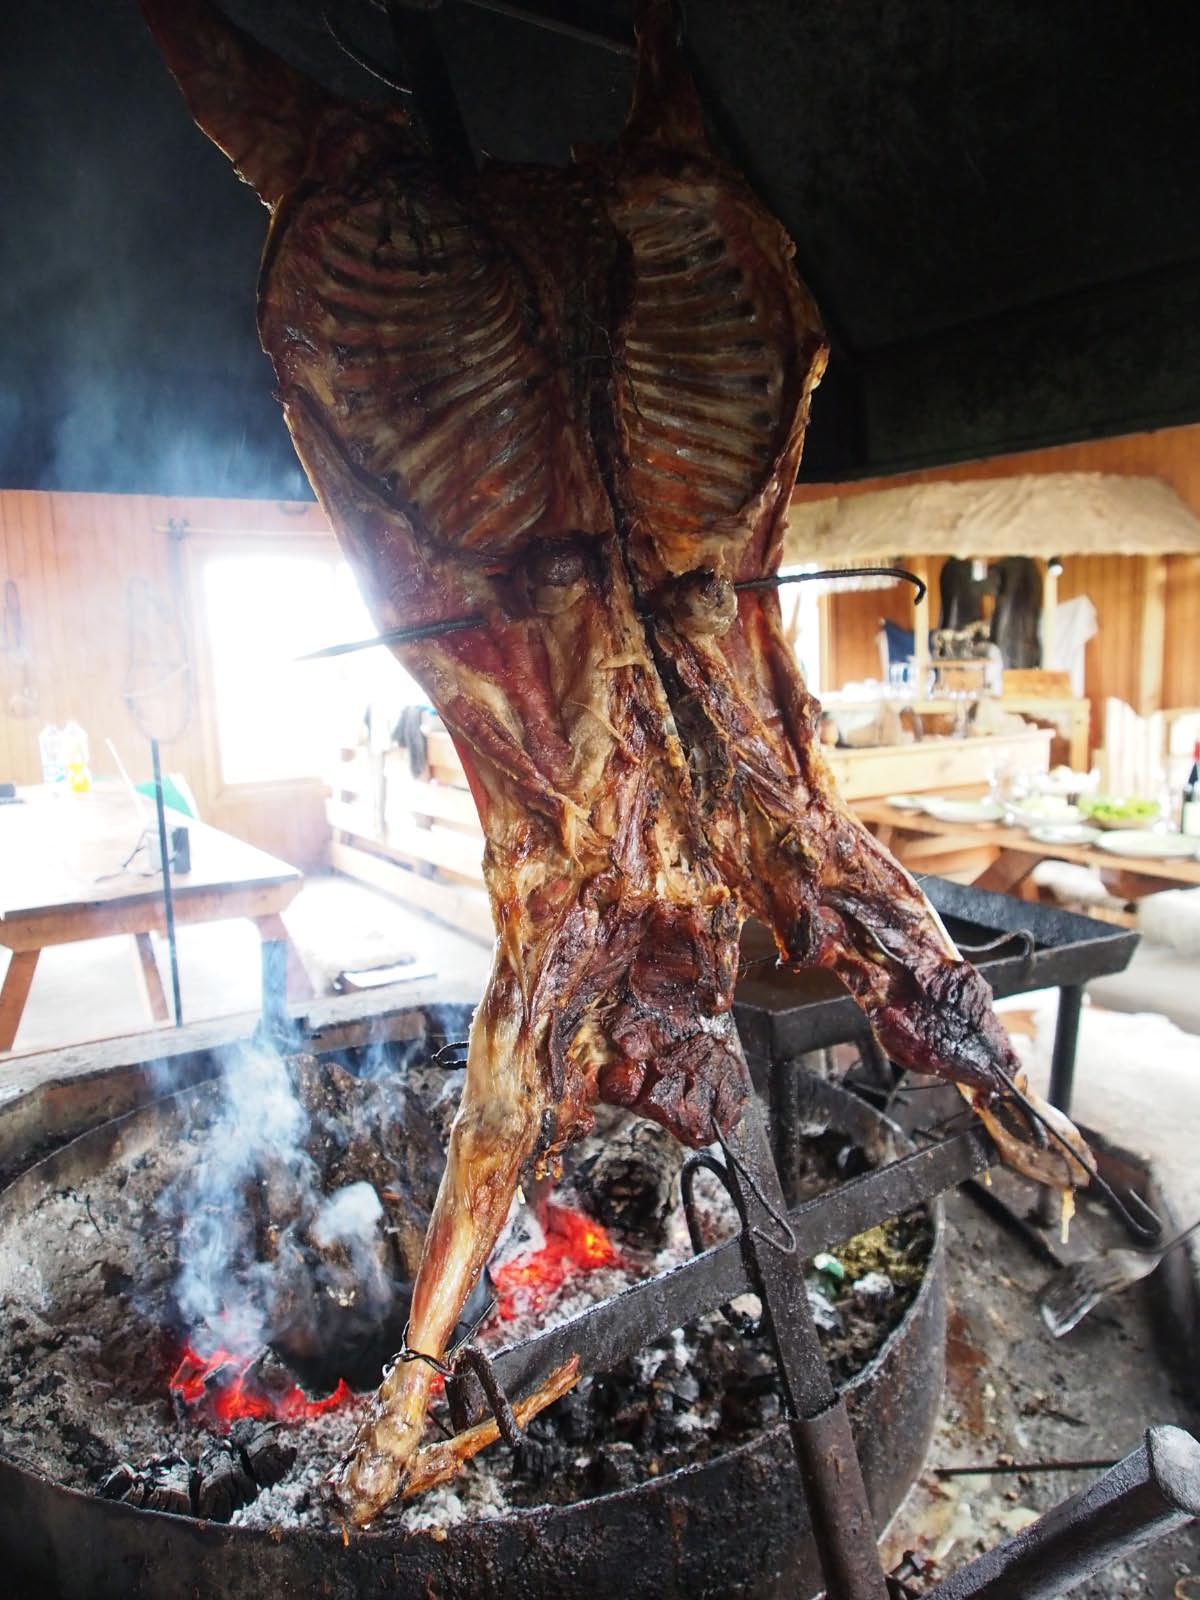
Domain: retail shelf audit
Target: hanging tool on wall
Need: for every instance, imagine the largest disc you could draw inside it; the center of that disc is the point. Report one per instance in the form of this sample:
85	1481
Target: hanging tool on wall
22	702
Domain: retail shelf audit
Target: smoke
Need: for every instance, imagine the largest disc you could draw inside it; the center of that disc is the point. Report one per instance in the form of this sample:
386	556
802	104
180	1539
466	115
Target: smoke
264	1254
224	1290
349	1221
128	259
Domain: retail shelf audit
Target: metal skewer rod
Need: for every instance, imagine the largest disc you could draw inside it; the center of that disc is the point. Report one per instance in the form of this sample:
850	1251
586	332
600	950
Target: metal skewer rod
818	1421
1148	1494
431	630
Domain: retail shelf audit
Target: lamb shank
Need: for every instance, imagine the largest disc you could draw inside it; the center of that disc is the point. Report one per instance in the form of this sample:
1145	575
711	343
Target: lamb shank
571	402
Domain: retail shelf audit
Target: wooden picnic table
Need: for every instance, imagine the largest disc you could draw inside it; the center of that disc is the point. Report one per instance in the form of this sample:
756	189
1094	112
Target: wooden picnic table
68	872
994	856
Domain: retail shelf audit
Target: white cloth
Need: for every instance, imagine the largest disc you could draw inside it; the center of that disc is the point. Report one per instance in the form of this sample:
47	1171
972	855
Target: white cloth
1075	622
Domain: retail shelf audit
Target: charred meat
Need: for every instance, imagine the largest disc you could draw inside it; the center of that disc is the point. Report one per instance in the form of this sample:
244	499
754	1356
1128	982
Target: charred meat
573	402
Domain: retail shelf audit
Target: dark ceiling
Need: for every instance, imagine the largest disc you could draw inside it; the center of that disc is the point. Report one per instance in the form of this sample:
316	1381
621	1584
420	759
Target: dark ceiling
995	202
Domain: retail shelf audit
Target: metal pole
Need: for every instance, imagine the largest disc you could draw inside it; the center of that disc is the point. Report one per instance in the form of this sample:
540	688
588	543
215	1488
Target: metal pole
843	1526
1148	1494
1066	1039
168	898
423	66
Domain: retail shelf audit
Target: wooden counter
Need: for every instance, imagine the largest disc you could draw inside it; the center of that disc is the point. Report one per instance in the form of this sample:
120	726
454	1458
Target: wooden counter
930	765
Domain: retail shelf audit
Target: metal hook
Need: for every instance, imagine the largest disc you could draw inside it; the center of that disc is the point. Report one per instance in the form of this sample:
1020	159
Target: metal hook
788	1246
472	1359
407	1353
447	1056
703	1161
1020	936
777	580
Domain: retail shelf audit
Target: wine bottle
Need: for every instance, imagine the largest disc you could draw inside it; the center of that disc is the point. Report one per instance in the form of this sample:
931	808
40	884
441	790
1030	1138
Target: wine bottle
1189	814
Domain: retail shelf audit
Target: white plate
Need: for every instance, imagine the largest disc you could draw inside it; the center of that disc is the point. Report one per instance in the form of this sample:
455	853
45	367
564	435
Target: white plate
1064	833
1025	816
907	802
1150	846
963	810
1061	780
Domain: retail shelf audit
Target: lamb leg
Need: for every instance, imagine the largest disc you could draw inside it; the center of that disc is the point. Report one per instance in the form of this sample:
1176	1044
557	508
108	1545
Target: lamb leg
492	1140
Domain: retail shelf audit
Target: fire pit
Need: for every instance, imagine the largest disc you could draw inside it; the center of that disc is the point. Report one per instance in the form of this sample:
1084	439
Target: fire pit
87	1252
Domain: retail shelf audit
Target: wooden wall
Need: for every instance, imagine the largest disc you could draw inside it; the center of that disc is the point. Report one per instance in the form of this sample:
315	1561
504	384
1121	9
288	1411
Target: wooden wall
72	557
1151	661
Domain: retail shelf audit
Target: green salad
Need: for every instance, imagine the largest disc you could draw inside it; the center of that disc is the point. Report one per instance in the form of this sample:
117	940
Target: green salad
1110	808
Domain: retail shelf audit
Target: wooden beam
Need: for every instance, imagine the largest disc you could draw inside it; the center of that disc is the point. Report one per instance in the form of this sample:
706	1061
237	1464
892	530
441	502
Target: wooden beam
456	903
920	687
151	981
273	930
1152	635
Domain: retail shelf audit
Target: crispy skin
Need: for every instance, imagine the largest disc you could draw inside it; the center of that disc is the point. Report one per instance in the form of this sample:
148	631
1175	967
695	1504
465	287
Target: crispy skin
572	401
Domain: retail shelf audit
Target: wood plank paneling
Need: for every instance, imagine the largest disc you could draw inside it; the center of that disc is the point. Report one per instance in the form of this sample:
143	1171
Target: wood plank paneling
1181	633
1116	585
72	557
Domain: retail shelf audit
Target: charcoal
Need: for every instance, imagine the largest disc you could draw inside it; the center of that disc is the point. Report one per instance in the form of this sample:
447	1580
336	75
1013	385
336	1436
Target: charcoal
632	1182
617	1466
685	1386
117	1484
574	1415
164	1484
542	1460
224	1484
265	1452
170	1488
85	1447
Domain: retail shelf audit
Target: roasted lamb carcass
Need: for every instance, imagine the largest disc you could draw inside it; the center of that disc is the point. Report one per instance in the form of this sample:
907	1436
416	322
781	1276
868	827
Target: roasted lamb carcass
572	403
716	355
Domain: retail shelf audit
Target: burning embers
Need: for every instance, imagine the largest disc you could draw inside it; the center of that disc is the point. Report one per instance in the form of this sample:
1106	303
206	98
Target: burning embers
573	1243
223	1388
99	1390
241	1415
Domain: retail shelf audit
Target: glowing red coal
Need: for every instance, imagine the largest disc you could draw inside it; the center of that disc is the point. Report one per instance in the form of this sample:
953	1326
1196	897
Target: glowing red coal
574	1243
222	1385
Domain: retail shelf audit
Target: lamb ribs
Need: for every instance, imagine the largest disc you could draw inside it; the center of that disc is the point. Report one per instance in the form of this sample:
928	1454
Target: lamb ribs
573	402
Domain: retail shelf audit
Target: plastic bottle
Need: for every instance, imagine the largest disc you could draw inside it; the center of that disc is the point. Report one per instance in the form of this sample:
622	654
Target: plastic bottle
50	748
75	758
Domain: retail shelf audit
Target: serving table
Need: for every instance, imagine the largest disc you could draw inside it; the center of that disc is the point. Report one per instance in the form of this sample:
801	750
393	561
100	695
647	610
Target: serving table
68	873
994	856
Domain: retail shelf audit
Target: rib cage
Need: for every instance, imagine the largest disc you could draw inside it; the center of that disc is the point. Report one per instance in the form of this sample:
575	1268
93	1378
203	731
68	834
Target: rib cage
423	359
704	383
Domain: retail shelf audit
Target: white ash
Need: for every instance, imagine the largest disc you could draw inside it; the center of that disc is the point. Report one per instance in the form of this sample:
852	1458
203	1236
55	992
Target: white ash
873	1286
480	1491
75	1402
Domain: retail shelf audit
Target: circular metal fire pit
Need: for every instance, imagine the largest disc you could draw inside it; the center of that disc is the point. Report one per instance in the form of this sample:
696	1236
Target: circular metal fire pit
735	1525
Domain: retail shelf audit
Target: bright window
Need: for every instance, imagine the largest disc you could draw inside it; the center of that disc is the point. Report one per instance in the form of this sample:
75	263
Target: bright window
801	611
278	718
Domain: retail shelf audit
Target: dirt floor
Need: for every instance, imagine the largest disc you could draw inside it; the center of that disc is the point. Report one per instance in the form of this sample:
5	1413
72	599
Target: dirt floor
1015	1392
